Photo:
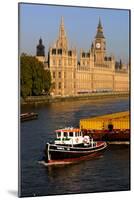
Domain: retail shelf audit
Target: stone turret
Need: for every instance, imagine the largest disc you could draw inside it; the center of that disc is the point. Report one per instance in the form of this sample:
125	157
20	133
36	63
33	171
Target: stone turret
40	49
40	52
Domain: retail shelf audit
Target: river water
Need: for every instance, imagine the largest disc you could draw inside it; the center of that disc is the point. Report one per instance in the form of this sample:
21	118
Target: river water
109	172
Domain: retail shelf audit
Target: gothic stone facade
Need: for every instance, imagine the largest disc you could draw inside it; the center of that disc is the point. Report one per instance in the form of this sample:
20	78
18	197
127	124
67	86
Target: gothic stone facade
94	72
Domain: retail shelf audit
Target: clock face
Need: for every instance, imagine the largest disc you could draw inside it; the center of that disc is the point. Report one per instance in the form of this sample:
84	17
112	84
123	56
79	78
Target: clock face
98	45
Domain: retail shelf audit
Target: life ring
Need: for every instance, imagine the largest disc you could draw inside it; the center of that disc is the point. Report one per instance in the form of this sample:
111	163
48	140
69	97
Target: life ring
85	140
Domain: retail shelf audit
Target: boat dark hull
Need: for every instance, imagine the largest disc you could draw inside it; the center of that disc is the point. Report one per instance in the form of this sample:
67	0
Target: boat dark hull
57	154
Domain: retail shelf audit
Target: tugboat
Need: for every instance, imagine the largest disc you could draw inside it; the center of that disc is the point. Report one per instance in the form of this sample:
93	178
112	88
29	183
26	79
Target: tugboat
71	146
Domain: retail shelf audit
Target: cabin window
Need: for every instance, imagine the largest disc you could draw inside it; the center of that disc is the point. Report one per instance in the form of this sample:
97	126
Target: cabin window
58	134
70	134
65	134
76	134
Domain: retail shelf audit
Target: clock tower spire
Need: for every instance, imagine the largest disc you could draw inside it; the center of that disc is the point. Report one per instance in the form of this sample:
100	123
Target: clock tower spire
100	44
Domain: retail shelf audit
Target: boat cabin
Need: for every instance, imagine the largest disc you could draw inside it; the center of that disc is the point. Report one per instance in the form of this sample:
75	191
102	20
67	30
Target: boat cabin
69	136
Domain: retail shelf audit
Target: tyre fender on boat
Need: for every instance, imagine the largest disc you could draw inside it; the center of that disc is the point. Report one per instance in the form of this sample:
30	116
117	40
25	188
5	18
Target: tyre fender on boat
85	140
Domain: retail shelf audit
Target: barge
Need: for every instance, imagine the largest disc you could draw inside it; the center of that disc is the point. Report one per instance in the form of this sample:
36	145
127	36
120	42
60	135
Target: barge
28	116
72	146
113	128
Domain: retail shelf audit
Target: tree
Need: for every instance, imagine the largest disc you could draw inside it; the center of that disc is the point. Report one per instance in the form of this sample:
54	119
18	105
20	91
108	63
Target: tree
47	81
34	79
26	76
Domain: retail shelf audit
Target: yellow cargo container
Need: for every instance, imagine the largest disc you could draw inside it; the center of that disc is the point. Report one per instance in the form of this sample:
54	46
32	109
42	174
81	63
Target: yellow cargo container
116	121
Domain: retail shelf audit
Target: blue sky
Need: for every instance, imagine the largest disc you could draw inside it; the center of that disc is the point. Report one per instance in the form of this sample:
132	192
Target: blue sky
80	24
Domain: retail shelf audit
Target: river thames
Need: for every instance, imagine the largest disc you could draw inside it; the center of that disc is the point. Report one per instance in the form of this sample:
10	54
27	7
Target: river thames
109	172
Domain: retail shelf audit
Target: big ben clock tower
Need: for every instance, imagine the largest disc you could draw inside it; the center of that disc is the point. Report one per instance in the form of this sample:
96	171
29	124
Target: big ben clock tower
100	44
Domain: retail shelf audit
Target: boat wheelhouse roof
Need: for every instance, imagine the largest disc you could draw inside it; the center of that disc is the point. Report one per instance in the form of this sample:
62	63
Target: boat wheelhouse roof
68	130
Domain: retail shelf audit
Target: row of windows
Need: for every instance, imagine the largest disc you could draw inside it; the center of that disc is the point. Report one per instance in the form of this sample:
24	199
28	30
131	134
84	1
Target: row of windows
100	89
85	77
59	62
59	85
59	51
107	58
85	62
59	75
103	65
85	54
54	62
70	62
70	134
84	68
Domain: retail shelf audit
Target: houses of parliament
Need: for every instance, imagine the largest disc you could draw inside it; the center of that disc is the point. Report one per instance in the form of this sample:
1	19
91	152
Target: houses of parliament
93	72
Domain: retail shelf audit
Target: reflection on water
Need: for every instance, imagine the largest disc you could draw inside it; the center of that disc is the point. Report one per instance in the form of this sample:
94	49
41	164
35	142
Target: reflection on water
68	170
99	174
109	172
